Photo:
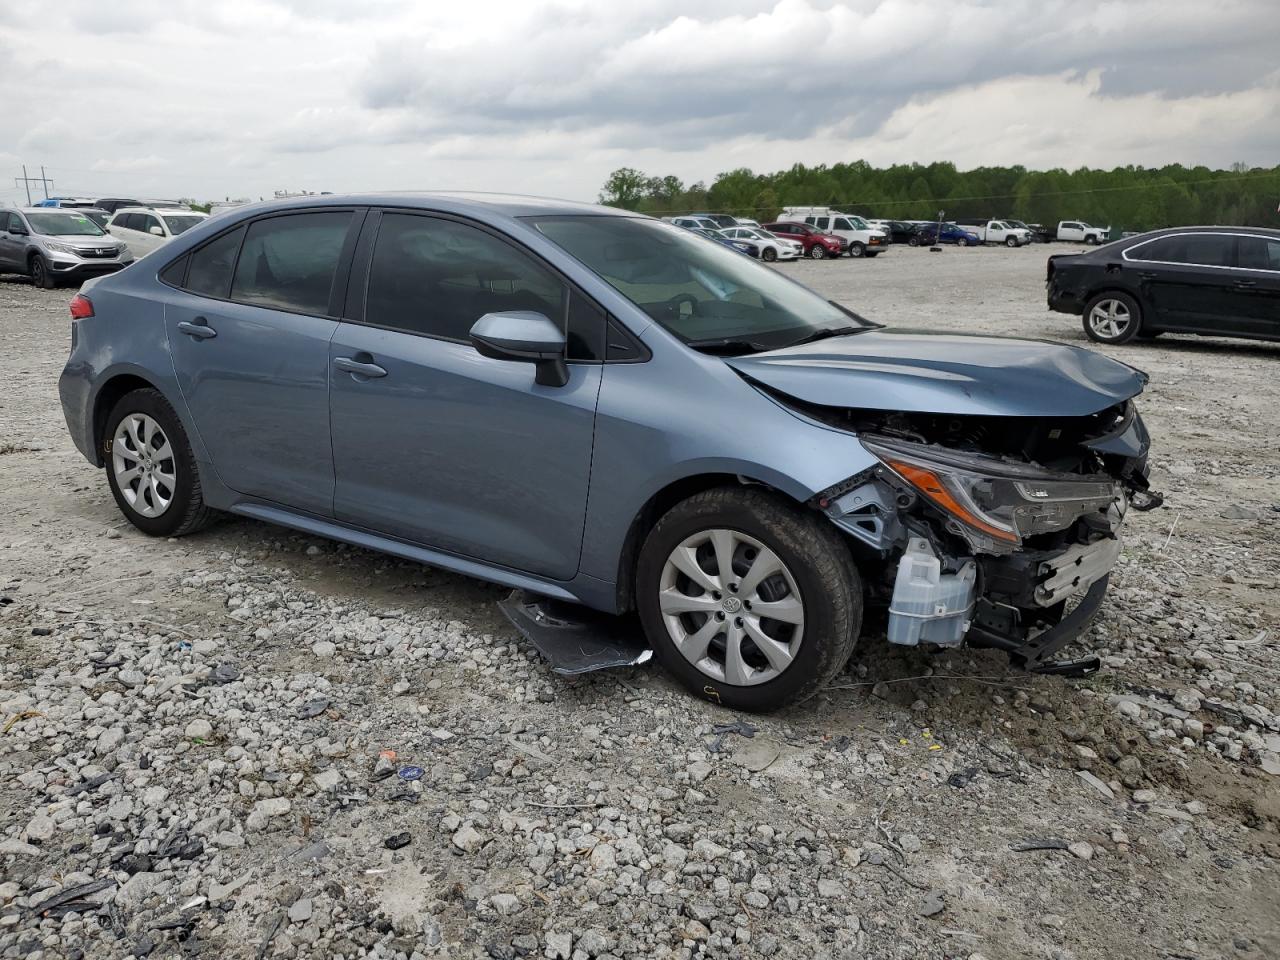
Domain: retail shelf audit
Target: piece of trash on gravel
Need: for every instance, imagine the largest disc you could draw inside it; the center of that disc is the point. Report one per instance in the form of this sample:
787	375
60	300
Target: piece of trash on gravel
1040	843
739	727
224	673
313	708
396	841
1097	784
411	773
962	778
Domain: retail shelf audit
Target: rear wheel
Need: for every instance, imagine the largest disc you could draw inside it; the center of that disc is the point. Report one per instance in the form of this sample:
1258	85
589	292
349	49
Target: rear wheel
748	599
150	467
770	254
41	275
817	251
913	241
1112	317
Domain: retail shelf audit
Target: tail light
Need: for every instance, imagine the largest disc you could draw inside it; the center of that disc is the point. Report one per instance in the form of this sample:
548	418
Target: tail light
81	307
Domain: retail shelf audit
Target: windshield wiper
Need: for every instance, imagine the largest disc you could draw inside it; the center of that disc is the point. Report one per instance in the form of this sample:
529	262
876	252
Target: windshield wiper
729	347
824	334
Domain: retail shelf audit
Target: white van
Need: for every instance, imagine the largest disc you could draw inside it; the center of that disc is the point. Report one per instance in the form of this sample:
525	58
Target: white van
864	239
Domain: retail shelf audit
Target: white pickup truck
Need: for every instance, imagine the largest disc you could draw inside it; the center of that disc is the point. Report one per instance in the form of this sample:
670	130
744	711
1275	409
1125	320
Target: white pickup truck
1077	231
997	231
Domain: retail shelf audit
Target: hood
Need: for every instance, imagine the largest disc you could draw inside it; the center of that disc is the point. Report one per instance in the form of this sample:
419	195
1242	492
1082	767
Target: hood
87	243
919	372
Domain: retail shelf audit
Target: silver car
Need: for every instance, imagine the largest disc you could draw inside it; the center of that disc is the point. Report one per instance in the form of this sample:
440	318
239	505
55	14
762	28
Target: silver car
54	246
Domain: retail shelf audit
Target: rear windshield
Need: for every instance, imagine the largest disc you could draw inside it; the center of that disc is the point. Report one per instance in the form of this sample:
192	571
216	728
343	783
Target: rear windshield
64	225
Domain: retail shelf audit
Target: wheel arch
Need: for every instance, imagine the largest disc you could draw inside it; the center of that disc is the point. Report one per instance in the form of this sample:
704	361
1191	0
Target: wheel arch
107	396
657	505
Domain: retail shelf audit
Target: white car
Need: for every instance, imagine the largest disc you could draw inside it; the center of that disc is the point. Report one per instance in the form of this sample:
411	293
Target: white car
145	229
772	247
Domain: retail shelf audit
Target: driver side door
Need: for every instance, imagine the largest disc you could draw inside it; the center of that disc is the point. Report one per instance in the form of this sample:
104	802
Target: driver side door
434	443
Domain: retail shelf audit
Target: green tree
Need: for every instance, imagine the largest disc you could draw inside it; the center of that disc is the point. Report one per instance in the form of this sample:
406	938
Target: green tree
625	188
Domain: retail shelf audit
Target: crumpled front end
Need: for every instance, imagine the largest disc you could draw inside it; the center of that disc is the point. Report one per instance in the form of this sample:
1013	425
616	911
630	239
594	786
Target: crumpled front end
992	531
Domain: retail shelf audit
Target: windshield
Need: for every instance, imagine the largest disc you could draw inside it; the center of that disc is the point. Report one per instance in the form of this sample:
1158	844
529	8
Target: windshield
858	222
64	225
179	225
702	292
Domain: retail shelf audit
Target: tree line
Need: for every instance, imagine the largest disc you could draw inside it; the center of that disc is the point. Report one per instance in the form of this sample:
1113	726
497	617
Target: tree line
1130	198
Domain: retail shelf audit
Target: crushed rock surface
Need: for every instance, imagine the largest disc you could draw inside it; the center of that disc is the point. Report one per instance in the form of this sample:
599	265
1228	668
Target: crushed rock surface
195	756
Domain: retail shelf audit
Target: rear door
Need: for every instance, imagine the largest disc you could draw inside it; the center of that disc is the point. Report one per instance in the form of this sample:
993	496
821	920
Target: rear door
1257	284
1186	281
434	443
249	333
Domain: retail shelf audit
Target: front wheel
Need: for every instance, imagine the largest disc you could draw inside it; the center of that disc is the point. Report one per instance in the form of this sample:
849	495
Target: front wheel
150	467
1011	241
769	254
817	251
913	241
857	249
748	599
1112	317
41	275
1090	241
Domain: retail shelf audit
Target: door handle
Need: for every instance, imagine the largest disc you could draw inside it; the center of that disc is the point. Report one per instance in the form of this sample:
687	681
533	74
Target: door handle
199	329
1246	283
359	368
1148	275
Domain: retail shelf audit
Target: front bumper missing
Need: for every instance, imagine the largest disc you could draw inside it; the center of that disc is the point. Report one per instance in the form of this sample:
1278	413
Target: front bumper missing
1020	606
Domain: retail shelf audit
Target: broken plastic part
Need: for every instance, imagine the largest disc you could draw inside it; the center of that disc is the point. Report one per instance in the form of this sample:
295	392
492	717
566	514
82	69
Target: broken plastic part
870	513
929	605
575	639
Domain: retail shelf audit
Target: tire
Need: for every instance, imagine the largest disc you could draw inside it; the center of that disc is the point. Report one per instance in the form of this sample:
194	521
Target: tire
857	250
1011	241
769	254
184	511
817	252
1090	240
1112	317
41	275
817	570
913	241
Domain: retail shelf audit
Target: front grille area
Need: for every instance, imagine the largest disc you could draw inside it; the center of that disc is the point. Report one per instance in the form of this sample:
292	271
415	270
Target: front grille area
91	253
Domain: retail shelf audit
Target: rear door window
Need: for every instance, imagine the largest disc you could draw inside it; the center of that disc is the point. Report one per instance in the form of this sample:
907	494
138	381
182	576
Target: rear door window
1192	249
289	262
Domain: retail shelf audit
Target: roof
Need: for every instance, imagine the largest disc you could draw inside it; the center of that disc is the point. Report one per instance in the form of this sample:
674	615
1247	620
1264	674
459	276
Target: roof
506	204
163	211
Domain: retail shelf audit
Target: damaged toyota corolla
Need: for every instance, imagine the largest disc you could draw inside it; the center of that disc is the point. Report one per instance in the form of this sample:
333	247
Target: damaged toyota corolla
598	408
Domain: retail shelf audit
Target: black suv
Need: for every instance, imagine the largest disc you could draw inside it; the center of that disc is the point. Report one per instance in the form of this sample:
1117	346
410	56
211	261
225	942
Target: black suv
1212	281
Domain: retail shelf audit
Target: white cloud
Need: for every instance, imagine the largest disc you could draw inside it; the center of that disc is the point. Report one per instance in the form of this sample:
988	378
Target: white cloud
179	97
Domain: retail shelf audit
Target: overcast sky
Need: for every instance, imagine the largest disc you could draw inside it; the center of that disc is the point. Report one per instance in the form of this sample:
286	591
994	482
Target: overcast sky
215	98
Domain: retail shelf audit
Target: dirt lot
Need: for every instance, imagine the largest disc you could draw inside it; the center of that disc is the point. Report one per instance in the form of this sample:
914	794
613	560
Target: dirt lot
190	729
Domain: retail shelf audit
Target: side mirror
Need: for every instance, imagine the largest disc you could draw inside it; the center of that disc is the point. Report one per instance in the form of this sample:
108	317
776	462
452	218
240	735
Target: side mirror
526	336
156	232
20	231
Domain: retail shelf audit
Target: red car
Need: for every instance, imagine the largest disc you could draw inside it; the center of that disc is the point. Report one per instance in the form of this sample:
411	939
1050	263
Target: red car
816	243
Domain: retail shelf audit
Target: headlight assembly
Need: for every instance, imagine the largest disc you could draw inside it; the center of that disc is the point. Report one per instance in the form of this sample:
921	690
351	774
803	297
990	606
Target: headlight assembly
61	247
992	503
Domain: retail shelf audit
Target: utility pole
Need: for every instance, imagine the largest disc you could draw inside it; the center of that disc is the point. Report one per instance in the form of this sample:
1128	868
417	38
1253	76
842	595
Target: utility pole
28	181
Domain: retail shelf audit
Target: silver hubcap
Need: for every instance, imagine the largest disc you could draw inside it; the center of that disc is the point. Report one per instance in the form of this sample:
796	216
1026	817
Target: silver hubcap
144	466
731	607
1109	319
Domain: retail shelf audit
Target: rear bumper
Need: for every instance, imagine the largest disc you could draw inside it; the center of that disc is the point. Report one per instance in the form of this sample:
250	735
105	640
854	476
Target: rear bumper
1063	300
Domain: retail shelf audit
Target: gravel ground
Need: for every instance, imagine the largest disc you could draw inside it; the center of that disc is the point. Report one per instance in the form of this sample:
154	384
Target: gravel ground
190	756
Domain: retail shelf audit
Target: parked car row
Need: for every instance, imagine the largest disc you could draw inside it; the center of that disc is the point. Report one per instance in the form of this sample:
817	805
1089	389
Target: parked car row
61	241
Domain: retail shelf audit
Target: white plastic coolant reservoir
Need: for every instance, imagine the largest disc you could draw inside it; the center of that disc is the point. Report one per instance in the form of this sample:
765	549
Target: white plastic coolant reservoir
929	605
